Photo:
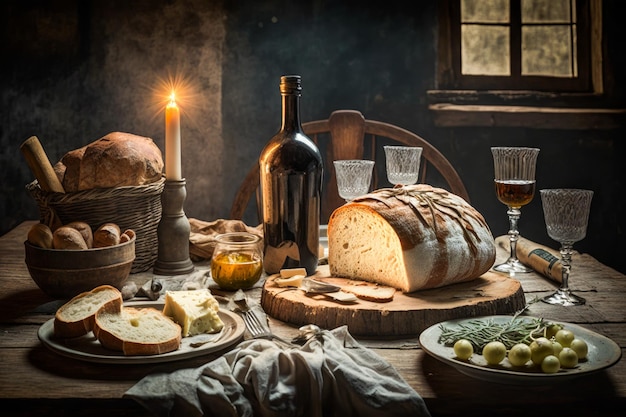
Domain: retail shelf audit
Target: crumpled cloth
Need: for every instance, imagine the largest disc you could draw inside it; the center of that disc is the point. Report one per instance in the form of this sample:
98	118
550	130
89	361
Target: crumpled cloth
330	375
202	235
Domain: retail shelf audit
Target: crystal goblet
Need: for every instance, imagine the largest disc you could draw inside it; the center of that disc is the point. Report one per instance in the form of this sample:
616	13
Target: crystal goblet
403	164
353	177
514	169
566	212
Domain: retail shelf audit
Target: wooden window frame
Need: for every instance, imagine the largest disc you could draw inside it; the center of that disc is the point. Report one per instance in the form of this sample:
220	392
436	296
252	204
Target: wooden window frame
516	81
454	104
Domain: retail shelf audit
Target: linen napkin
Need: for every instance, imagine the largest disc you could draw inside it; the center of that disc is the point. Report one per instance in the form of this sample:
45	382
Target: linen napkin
202	235
330	375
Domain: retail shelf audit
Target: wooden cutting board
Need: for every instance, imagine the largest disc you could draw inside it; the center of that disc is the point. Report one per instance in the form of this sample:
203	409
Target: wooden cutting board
406	315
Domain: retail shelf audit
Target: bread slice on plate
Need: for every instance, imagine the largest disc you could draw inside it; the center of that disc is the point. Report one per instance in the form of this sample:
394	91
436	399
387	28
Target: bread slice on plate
76	317
137	331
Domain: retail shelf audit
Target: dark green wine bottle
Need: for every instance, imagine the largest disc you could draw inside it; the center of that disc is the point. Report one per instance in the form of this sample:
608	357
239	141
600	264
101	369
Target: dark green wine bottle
291	171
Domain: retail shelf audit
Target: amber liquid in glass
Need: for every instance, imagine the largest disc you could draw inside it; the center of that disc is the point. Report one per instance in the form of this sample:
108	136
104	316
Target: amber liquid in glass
515	193
233	271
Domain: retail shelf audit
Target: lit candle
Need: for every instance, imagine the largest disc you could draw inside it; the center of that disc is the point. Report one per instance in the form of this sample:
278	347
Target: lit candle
172	140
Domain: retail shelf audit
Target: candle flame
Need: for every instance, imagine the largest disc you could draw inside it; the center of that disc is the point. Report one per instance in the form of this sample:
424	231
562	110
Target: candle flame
172	102
175	90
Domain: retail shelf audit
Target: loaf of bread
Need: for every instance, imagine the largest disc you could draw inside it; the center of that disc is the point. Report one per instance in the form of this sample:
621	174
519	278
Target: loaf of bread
66	237
410	238
115	160
194	310
136	331
76	317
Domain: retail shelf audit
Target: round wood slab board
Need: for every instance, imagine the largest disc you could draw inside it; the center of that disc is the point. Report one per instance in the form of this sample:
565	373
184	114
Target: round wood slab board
406	315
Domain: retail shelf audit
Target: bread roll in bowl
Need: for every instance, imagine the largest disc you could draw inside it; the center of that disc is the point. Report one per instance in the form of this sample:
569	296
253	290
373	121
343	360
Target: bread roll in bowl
127	236
40	235
68	238
84	230
106	235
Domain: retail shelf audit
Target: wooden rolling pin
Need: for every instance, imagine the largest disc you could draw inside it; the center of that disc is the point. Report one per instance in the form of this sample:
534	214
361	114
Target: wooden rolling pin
40	165
540	258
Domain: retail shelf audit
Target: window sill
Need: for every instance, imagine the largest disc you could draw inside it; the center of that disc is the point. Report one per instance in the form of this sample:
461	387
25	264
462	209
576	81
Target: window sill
523	109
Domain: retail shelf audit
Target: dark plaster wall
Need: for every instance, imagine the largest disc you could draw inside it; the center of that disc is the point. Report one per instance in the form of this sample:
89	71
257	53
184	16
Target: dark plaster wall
77	70
80	69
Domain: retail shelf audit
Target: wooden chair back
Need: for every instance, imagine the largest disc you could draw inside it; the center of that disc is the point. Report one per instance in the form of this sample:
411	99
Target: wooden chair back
344	135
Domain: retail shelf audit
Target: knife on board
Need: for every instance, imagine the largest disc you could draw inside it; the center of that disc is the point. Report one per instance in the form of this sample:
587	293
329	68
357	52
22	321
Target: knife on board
296	278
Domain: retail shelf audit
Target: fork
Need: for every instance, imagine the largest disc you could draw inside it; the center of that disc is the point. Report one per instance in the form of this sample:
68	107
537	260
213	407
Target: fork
254	325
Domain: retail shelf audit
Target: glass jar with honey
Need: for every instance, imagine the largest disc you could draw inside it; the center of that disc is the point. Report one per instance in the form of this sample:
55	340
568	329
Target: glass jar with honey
237	261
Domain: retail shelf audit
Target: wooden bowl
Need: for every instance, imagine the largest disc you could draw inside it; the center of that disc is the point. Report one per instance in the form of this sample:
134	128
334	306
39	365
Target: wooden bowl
65	273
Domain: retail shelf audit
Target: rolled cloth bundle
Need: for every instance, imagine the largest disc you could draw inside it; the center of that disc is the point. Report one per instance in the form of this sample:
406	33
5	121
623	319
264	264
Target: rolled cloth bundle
541	258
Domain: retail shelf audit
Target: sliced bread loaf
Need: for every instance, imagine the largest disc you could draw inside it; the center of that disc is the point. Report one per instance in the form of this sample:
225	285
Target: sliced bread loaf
137	331
76	317
410	238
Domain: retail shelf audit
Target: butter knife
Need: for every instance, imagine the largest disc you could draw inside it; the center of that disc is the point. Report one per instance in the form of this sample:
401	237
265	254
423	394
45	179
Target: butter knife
312	286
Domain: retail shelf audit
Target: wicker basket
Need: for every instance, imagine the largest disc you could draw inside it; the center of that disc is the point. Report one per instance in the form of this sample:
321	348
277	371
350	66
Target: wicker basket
137	208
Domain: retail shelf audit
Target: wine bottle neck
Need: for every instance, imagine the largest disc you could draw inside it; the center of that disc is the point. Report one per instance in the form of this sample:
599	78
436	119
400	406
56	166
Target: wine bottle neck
291	113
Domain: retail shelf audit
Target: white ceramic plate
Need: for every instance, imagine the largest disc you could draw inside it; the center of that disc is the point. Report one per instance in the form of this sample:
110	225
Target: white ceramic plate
603	353
87	347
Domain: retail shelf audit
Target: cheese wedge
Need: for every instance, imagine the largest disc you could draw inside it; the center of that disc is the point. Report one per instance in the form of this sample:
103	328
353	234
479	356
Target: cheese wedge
194	310
290	272
292	281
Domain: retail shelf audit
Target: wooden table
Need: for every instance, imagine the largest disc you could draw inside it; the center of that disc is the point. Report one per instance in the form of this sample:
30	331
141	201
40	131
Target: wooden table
37	381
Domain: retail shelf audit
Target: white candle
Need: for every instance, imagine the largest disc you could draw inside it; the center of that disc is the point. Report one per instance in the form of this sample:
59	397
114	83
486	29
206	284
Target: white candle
172	140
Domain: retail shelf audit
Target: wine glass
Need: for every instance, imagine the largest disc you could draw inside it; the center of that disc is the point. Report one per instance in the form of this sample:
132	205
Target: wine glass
566	212
515	187
353	177
403	164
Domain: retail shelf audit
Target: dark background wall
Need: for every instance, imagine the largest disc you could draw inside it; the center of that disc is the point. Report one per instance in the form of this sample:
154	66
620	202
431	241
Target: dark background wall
77	70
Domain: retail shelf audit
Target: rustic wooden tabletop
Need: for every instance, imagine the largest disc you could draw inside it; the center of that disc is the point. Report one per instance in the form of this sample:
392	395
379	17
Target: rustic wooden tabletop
35	380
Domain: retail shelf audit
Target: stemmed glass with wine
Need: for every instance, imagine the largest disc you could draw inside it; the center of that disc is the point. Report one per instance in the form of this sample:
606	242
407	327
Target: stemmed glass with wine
515	187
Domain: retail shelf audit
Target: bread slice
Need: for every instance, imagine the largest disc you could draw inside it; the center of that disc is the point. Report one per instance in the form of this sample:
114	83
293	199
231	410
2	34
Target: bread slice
137	331
76	317
370	292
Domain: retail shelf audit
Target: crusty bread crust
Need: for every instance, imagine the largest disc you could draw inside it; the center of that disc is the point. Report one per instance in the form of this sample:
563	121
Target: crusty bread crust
115	160
137	331
412	238
41	235
66	237
76	317
85	231
107	234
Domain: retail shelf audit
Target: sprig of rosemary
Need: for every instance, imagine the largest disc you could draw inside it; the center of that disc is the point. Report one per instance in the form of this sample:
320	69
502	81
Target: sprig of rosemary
481	332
